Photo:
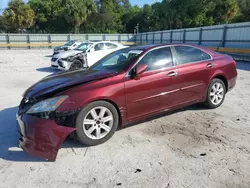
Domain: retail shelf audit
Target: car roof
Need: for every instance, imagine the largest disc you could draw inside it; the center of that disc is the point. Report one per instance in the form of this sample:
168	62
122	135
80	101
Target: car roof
144	47
151	46
86	41
106	41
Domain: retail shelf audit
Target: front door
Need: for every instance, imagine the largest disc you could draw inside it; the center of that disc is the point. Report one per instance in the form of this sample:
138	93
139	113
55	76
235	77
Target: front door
156	89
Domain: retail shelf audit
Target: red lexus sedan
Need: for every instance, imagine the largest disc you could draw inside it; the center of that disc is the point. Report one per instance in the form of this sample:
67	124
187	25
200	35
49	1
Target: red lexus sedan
125	86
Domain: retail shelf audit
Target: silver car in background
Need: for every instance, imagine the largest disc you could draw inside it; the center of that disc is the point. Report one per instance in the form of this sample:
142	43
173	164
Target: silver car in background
70	45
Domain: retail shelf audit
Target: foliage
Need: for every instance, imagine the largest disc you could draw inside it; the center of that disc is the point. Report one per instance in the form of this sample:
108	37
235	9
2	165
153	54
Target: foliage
108	18
76	11
244	14
48	16
3	24
18	15
119	16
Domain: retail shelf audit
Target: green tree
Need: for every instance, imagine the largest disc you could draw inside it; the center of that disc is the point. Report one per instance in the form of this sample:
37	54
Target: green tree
223	11
117	16
49	16
76	11
19	15
111	13
131	19
244	12
3	24
108	18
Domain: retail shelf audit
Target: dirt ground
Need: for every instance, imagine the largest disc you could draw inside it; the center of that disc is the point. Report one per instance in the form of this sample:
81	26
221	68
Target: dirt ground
190	148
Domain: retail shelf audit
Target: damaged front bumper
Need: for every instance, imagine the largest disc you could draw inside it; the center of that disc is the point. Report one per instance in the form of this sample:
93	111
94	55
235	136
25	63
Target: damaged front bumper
41	137
63	64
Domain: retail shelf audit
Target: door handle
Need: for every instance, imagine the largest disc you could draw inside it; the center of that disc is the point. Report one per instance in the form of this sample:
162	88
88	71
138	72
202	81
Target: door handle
210	65
172	74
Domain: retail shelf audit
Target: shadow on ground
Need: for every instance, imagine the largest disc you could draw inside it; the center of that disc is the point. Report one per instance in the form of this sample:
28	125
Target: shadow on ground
194	107
243	65
48	69
9	139
48	56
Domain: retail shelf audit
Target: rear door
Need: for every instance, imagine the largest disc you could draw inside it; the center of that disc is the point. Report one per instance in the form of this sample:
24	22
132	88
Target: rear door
194	68
96	52
110	47
157	88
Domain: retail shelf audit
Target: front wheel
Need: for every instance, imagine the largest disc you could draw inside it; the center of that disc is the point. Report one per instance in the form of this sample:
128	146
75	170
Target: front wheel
77	64
215	94
96	123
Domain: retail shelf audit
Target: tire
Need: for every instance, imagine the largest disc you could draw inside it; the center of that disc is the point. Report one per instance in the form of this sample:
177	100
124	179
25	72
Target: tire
77	64
215	94
86	133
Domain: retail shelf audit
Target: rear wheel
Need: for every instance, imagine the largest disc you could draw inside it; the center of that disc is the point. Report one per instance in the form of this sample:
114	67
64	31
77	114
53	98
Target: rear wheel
77	64
216	93
96	123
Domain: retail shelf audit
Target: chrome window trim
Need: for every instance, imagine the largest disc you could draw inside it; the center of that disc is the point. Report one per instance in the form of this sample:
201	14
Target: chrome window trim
159	47
192	62
174	59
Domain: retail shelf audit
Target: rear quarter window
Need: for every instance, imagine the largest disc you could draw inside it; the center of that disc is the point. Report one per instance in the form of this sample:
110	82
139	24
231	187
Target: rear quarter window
111	46
188	54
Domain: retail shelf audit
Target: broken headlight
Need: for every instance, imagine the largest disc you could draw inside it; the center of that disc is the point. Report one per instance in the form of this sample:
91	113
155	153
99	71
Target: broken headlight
47	105
67	58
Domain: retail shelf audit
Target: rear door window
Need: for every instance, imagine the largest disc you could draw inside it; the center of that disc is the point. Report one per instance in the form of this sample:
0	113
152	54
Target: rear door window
99	46
188	54
110	45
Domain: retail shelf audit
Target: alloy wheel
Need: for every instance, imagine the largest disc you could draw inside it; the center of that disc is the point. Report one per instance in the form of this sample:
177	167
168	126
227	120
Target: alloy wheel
98	122
217	93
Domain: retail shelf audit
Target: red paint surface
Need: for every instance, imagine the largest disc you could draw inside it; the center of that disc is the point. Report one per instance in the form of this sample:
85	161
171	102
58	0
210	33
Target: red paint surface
40	137
134	99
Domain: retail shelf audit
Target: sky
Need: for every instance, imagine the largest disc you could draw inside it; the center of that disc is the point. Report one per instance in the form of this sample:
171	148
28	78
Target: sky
141	2
4	3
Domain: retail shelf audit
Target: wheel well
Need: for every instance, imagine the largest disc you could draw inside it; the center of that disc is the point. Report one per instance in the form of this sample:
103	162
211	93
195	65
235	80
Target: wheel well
221	77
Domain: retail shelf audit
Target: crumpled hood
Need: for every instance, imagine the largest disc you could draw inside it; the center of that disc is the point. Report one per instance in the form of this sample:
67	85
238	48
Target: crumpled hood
66	54
66	79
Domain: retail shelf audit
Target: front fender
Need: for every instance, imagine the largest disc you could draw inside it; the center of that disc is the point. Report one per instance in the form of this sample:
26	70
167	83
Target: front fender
111	90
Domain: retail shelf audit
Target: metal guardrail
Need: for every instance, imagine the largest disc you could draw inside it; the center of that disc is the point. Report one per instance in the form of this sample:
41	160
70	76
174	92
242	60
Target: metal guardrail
233	38
228	36
50	40
49	44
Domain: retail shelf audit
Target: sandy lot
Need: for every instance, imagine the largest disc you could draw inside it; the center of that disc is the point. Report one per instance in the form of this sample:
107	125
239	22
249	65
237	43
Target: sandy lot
191	148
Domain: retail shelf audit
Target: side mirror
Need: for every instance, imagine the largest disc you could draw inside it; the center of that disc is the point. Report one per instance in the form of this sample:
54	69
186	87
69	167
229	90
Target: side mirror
139	69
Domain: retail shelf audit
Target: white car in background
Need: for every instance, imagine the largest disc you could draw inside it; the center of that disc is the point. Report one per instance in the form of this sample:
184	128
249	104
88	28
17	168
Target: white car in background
94	52
70	45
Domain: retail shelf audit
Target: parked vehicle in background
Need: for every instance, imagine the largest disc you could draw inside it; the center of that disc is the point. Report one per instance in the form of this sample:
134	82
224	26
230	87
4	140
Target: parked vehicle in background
127	85
73	59
70	45
64	59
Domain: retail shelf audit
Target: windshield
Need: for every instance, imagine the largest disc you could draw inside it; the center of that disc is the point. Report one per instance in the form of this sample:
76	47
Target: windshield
117	61
71	42
83	47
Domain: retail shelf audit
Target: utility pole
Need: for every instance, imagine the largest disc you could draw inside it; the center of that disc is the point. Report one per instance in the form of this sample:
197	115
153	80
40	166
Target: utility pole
136	30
